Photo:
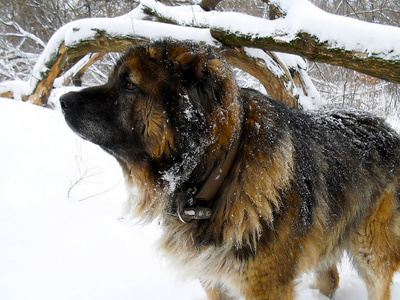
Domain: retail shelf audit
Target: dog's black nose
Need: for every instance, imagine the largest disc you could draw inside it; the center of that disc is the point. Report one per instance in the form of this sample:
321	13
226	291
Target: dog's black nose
68	102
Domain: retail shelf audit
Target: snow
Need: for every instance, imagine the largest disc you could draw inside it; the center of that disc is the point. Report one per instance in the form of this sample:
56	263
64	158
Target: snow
187	15
394	122
17	87
59	247
61	233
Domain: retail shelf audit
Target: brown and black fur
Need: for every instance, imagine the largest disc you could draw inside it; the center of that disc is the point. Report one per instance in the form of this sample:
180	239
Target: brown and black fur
302	188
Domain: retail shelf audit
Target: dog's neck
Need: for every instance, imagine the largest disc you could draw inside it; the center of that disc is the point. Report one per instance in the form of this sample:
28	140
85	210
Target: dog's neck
218	176
198	209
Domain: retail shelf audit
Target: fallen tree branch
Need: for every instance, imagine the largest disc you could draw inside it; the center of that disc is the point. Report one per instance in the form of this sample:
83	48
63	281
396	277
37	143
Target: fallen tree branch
311	48
44	86
369	48
278	85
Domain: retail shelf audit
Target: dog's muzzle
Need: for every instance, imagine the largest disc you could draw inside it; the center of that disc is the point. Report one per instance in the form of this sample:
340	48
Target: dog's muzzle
69	103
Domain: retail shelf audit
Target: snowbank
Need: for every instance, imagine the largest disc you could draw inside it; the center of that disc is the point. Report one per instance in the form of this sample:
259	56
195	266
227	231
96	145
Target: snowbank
17	87
59	247
61	236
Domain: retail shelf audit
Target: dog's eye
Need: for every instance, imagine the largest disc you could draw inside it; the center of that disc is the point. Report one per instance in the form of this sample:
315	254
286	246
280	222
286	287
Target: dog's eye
131	87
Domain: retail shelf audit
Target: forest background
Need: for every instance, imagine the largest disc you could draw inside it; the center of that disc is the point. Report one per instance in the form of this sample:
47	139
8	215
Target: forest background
26	26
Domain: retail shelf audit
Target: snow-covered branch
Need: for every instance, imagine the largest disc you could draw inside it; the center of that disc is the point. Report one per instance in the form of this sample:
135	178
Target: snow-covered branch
303	29
307	31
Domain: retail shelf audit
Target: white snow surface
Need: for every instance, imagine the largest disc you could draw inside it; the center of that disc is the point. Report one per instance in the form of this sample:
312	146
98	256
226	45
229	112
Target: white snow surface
61	234
17	87
394	122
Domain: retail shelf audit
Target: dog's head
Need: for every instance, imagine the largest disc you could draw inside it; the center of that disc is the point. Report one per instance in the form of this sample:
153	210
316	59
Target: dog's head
163	102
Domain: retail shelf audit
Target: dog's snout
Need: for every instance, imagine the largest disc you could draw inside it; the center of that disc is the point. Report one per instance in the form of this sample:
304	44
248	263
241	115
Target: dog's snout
68	101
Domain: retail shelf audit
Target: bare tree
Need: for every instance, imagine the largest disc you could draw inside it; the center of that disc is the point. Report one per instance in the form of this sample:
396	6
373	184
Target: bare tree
342	87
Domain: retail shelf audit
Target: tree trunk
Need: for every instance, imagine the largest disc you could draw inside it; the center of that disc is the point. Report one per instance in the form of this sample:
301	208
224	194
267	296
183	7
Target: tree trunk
43	89
209	5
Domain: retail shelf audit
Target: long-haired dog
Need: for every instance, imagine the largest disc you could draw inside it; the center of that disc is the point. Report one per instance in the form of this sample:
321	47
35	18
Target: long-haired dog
249	192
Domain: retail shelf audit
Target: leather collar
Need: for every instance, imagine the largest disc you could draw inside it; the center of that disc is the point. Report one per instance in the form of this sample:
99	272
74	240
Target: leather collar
197	211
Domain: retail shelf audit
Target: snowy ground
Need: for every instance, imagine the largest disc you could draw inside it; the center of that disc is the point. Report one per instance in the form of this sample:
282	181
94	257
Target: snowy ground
60	232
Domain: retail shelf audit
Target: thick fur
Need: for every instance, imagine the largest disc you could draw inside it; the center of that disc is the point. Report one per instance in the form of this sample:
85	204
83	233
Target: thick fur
303	187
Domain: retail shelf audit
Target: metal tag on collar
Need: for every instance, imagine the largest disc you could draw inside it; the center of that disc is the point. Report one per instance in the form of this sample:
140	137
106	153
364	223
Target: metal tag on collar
196	213
192	213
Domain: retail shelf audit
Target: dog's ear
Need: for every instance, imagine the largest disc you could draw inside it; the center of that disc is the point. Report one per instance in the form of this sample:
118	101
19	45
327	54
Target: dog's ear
185	60
155	52
198	78
208	90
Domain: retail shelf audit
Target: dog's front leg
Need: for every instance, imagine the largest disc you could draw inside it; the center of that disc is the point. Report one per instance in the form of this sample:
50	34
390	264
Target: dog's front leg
216	293
268	278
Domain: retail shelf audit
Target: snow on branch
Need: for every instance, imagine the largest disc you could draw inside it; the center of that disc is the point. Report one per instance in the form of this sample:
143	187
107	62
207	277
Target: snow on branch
190	15
304	30
312	33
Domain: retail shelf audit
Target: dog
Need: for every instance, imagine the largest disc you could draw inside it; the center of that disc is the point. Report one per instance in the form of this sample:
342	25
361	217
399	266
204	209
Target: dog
249	192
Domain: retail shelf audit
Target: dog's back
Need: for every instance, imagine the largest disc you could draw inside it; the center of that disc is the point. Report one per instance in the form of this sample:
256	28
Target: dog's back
346	174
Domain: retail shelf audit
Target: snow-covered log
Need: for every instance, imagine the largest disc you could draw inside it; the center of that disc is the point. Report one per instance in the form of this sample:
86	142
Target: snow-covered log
307	31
